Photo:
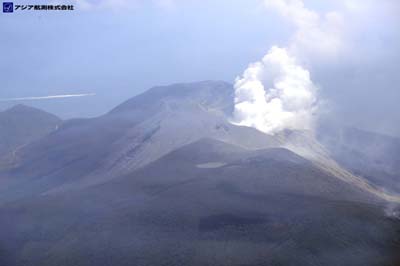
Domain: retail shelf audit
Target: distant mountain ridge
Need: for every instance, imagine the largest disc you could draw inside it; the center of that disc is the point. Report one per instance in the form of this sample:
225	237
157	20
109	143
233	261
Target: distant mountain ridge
212	94
20	125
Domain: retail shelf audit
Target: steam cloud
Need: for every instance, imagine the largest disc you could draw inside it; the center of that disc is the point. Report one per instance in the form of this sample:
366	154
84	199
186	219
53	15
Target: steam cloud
316	35
46	97
277	93
288	102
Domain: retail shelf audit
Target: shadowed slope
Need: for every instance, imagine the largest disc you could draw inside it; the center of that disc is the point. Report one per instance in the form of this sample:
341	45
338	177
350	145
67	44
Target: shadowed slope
267	207
375	157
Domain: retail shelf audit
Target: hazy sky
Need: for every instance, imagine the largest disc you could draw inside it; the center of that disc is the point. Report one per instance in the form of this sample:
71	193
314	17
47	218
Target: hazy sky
117	49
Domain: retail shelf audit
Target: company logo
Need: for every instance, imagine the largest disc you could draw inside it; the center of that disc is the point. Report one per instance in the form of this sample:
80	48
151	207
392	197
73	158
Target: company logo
8	7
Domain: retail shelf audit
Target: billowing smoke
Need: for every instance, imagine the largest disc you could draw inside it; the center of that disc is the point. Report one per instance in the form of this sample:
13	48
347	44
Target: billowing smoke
277	93
318	36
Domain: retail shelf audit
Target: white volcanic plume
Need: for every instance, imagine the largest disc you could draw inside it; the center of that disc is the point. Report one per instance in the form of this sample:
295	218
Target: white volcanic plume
277	93
316	35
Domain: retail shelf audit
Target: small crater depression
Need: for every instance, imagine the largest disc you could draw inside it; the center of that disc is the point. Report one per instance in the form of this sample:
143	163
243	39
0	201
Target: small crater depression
211	165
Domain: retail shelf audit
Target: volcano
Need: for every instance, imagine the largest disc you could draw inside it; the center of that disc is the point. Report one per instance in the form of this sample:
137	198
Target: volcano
166	179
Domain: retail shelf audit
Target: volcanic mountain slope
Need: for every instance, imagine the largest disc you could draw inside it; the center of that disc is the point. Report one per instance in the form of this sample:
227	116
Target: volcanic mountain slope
166	179
307	145
86	152
22	125
374	156
207	203
90	151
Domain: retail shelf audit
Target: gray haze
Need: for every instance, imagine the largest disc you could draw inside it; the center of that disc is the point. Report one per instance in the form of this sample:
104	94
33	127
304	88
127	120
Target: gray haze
117	49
